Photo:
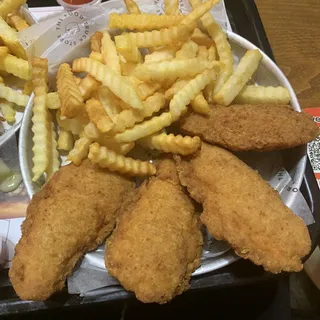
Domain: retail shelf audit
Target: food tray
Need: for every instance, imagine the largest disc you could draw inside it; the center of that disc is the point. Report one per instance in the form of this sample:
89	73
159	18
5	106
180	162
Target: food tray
245	20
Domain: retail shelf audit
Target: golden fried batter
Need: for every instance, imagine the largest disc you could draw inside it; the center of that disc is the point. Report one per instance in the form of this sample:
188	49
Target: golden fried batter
72	214
241	208
157	243
252	127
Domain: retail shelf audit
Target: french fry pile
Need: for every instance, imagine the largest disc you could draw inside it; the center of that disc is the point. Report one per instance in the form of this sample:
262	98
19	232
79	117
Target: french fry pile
126	98
13	59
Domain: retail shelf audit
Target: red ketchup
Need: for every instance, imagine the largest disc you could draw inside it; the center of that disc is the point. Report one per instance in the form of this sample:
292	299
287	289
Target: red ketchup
77	2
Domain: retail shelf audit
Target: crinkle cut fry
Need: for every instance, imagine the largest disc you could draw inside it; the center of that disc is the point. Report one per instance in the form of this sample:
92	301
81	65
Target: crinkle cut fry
198	11
15	21
10	37
243	72
8	111
109	52
72	102
80	150
173	69
114	162
3	52
132	7
16	66
171	143
188	50
115	82
8	6
39	75
200	104
222	44
203	53
41	125
157	38
171	7
176	87
41	138
92	132
143	22
182	98
96	56
65	140
129	51
98	115
146	90
95	41
128	118
110	101
74	125
54	159
28	87
201	38
13	96
145	128
87	85
53	100
263	95
163	54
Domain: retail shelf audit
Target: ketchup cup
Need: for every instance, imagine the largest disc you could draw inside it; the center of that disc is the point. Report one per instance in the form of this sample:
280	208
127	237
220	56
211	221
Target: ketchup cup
76	4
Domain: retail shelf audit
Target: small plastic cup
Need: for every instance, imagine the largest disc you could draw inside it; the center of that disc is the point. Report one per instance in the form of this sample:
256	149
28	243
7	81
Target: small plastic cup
71	7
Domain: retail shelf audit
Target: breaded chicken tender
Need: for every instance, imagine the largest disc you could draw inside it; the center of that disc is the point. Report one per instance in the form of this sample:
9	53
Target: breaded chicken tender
241	208
252	127
72	214
157	243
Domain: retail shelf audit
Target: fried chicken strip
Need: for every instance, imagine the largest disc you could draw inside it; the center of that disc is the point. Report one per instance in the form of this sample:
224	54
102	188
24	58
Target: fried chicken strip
252	127
157	243
72	214
241	208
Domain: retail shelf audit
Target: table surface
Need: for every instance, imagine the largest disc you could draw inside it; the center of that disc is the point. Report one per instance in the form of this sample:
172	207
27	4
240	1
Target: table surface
292	28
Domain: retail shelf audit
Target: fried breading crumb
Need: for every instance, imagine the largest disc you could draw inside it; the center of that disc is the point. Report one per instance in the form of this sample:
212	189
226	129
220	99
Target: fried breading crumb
252	127
72	214
241	208
158	242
